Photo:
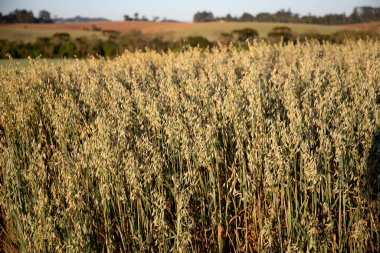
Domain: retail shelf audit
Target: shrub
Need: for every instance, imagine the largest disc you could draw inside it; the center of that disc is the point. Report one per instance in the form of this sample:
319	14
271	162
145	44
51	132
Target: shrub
281	33
245	34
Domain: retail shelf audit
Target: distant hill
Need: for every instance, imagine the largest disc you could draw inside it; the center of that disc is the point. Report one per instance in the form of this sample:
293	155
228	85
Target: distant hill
78	19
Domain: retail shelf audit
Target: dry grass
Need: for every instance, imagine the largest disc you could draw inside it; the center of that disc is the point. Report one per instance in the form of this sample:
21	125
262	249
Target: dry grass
275	149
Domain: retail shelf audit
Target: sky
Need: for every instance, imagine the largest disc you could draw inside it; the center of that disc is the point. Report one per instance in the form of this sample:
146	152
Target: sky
182	10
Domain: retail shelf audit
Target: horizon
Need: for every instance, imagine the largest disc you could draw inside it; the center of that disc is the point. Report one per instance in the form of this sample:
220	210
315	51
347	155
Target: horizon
115	10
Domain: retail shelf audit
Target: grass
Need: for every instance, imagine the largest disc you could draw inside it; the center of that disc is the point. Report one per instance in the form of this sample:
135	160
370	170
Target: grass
274	149
30	35
213	30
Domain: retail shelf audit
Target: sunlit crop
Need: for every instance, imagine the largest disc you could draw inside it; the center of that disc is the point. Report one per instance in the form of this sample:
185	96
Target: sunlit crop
274	149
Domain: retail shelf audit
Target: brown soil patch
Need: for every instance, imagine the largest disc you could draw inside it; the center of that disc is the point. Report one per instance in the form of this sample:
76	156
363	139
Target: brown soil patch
370	26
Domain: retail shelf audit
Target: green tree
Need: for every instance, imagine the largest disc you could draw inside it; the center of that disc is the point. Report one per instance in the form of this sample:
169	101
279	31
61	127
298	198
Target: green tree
127	18
246	17
45	46
203	17
44	16
67	49
21	16
109	49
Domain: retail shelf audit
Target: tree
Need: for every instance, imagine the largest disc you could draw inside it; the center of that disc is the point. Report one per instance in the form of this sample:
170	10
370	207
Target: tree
365	13
263	17
44	16
246	17
20	16
229	18
127	18
109	48
67	49
203	16
283	16
136	15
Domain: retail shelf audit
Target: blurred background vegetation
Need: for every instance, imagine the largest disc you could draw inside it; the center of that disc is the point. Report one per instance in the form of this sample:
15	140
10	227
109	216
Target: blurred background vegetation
207	31
62	45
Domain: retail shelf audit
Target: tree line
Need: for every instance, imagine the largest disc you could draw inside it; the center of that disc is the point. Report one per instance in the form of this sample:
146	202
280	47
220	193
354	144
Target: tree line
358	15
24	16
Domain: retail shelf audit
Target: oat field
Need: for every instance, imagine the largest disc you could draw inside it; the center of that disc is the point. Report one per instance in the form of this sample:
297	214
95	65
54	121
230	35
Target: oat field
274	149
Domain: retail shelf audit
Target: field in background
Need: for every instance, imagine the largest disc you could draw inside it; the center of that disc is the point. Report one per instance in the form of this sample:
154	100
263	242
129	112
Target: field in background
211	30
371	26
273	149
30	34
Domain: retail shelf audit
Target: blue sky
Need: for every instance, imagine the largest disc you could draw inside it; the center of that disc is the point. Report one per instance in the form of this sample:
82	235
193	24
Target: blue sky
182	10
